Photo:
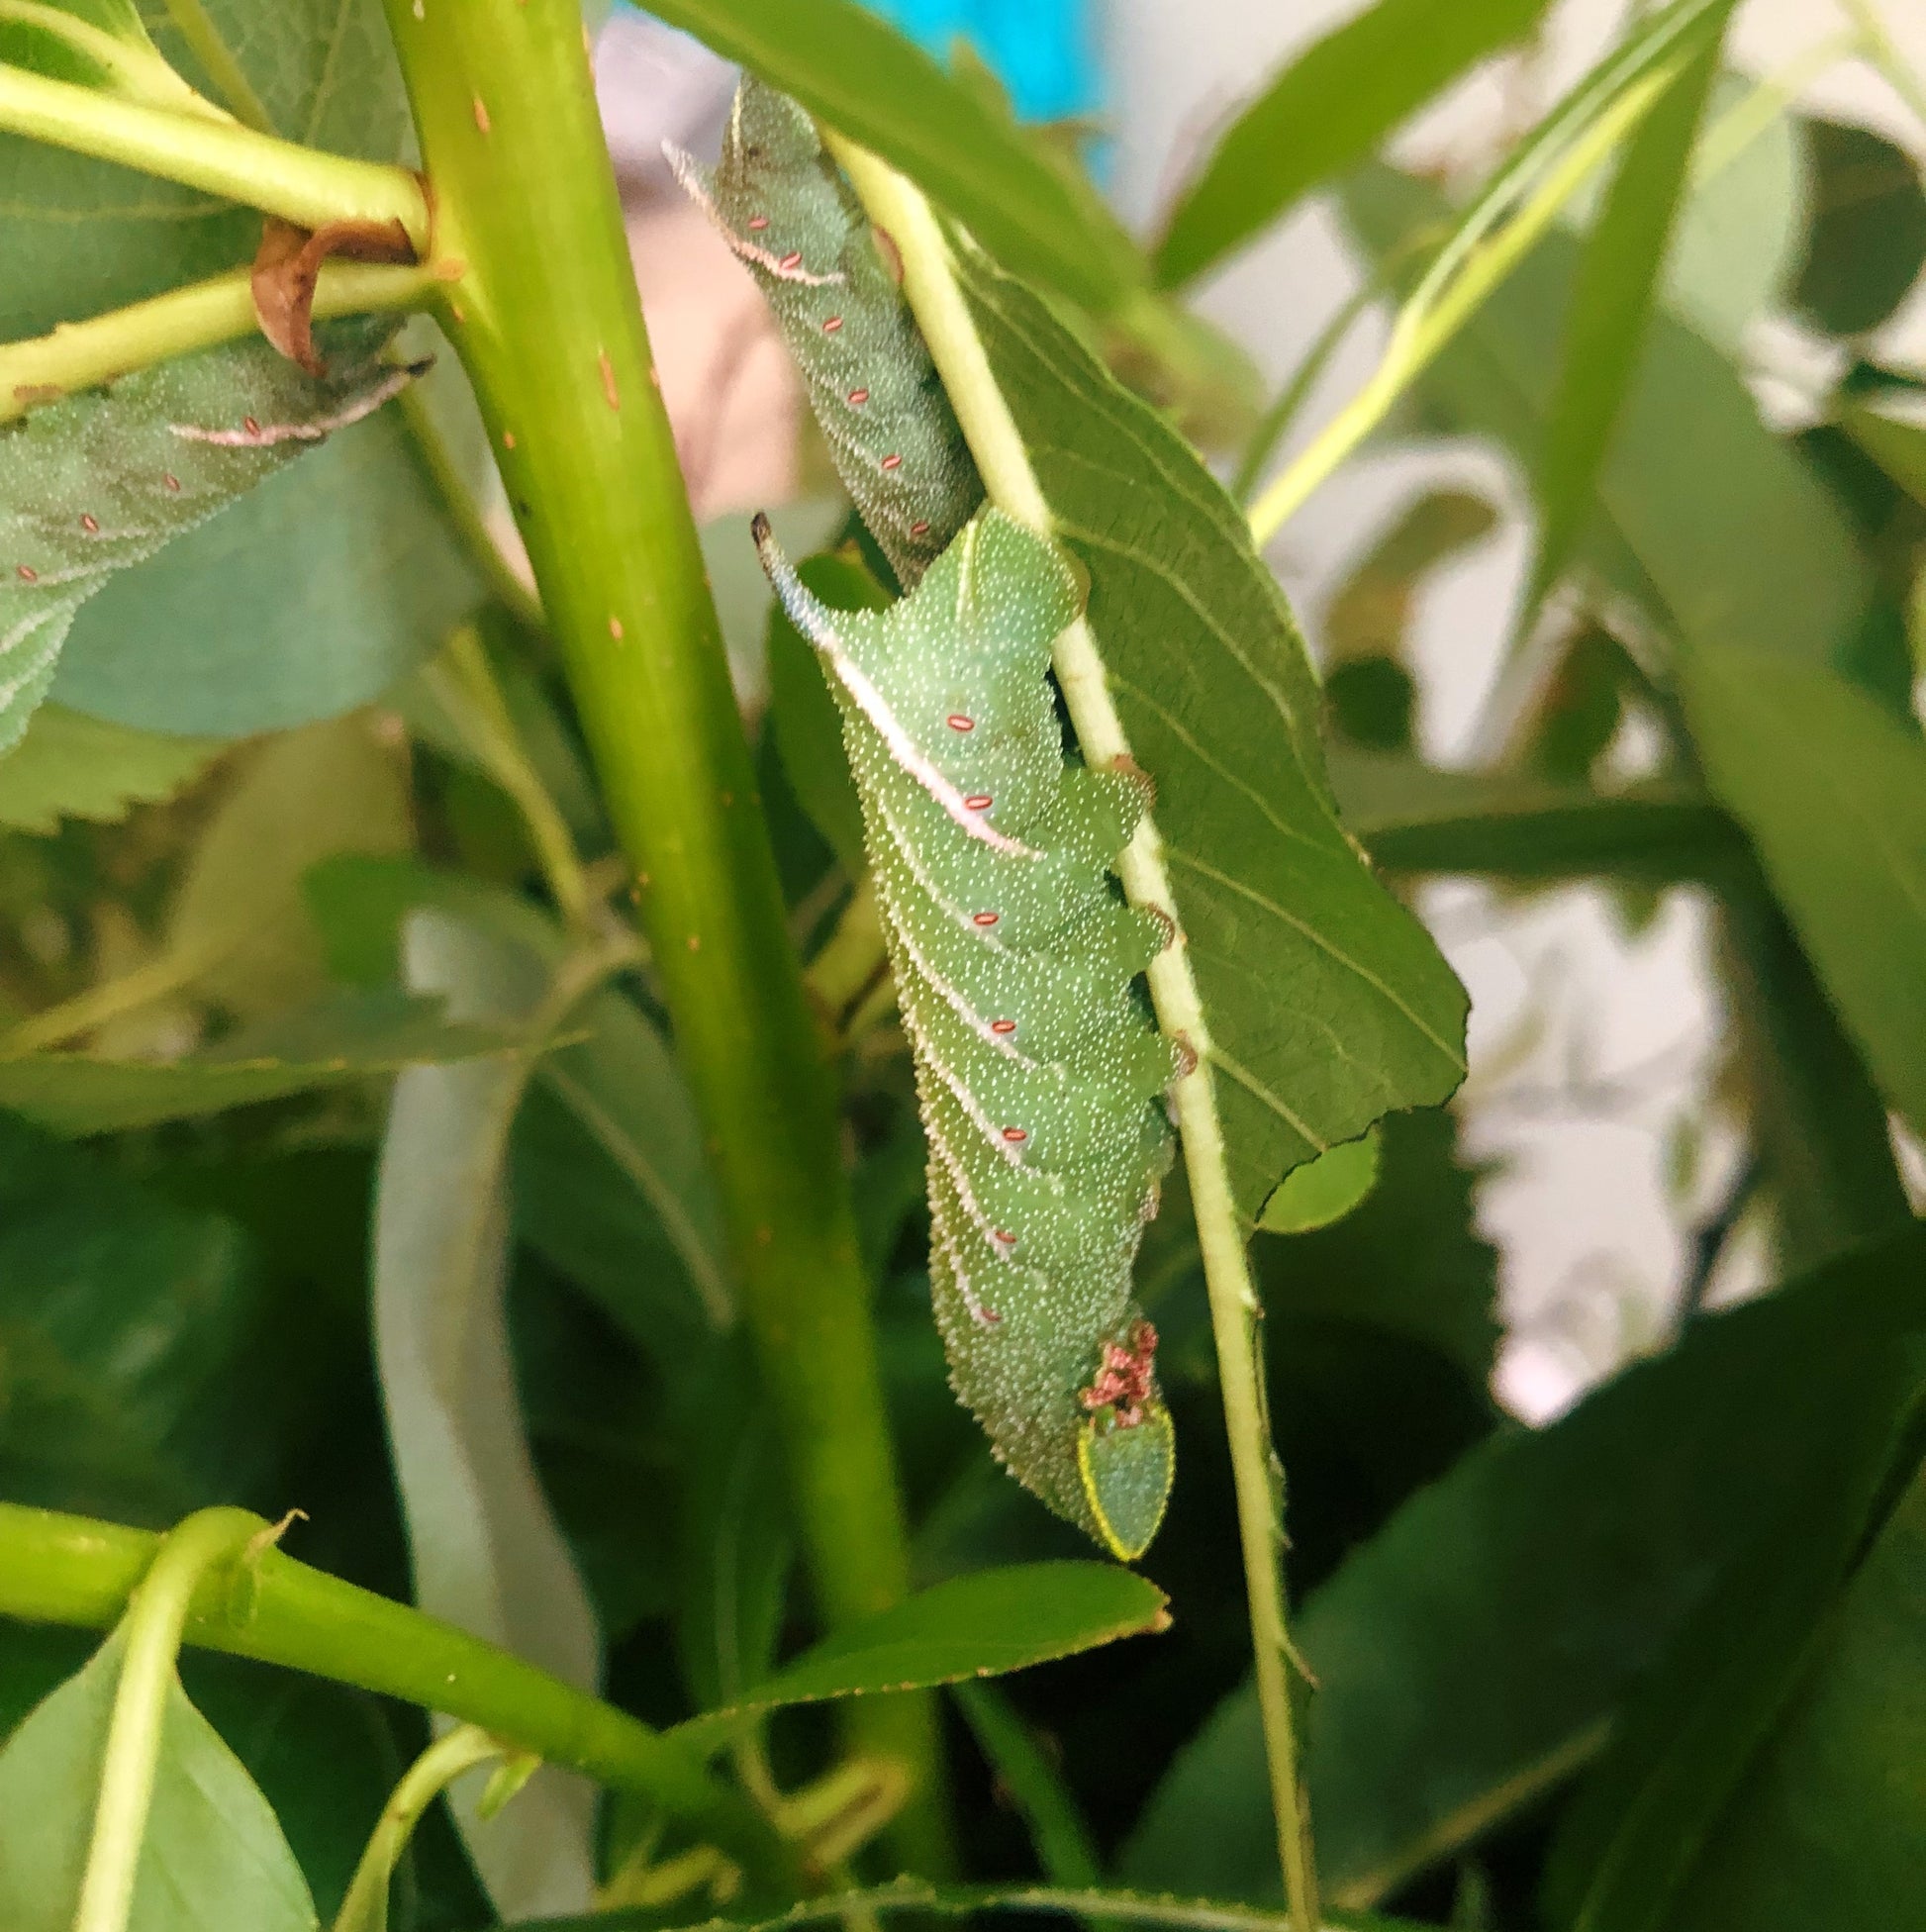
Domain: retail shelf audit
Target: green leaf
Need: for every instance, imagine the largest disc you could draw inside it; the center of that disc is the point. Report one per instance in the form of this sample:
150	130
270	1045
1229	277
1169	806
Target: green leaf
1415	817
1824	1833
1324	1190
1034	211
1832	789
125	1326
1325	112
68	766
212	1856
1627	1845
486	1551
1294	946
1896	443
293	800
1474	1654
100	482
984	1624
1868	236
341	1040
1612	299
803	715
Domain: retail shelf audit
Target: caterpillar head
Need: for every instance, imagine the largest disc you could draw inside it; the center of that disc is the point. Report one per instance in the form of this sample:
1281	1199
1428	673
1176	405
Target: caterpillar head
1126	1453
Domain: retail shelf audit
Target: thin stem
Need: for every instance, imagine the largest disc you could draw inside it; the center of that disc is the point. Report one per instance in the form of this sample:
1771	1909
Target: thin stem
545	318
465	682
82	355
463	1749
88	1012
134	70
505	584
151	1637
1883	51
229	80
280	177
942	311
1438	311
852	956
58	1569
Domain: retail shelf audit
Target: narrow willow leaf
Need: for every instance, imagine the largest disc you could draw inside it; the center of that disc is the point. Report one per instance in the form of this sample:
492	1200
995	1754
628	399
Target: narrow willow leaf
790	217
1474	1654
339	1040
864	79
213	1855
1038	1072
985	1624
1612	299
1327	112
1211	681
68	766
100	482
1323	1191
486	1551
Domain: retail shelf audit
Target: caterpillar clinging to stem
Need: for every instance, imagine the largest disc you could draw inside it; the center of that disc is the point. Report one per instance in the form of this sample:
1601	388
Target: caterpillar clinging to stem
1039	1072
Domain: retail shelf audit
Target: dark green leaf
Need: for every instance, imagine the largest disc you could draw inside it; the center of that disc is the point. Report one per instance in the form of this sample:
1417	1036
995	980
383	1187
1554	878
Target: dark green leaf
1474	1654
980	1625
1868	236
1371	610
1613	298
1824	1834
1037	214
343	1039
1057	1830
1832	789
213	1855
1294	946
1325	112
72	767
101	482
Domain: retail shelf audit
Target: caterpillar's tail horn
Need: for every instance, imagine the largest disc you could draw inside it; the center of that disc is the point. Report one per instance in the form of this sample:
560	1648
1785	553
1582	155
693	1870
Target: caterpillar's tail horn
805	612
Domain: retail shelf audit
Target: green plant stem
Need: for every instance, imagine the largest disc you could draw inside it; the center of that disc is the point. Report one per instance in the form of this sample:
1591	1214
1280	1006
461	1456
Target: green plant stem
942	313
157	1611
81	355
463	1749
280	177
212	53
546	317
1435	314
136	73
60	1569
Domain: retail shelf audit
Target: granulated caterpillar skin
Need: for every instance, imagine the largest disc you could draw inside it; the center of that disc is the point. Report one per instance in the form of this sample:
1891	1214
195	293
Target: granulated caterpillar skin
783	206
1039	1074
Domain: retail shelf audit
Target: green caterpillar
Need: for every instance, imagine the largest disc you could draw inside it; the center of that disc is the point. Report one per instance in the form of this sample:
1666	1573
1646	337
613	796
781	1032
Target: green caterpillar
1039	1075
788	215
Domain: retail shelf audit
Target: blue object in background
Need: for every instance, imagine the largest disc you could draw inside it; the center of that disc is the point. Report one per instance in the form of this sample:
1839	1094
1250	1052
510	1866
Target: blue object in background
1042	50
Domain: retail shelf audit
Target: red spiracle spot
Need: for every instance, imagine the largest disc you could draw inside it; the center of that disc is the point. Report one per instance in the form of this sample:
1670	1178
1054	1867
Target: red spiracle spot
980	803
919	527
1004	1235
892	462
831	327
1003	1025
91	525
251	423
958	723
173	483
794	259
983	919
858	397
28	574
1016	1134
759	223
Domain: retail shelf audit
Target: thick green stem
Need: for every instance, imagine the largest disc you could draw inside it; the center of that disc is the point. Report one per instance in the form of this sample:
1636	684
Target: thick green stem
80	354
280	177
56	1569
151	1637
942	313
544	310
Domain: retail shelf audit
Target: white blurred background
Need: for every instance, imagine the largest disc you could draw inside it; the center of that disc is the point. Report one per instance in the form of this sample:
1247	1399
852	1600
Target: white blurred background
1594	1049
